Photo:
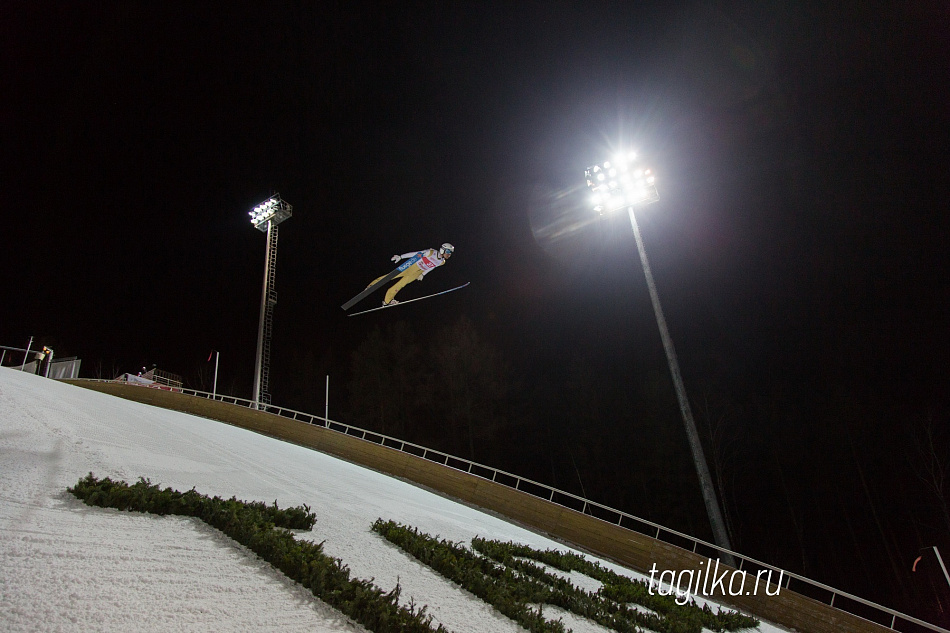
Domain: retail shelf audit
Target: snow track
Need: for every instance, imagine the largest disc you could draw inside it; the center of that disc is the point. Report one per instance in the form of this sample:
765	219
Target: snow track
67	567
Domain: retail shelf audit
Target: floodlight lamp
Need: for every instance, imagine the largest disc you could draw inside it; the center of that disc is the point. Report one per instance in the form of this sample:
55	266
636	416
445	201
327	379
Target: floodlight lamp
272	211
620	184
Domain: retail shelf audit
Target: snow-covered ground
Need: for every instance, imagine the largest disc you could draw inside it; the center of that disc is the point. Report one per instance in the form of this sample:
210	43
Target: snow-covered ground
67	567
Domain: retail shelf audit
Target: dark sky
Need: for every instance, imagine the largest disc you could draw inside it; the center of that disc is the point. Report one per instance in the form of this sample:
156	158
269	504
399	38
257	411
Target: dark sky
802	155
802	152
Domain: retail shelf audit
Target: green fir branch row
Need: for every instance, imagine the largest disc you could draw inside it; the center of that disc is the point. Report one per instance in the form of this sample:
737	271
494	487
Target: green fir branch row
496	584
263	530
500	577
619	589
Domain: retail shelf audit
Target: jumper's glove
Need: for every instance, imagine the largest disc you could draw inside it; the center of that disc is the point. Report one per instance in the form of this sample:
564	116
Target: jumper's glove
396	258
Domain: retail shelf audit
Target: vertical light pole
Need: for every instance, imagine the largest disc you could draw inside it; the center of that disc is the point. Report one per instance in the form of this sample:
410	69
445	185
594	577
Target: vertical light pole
214	386
942	566
26	354
265	217
626	183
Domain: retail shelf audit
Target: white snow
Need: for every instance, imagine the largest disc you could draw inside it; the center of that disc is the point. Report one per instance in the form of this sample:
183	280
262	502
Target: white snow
68	567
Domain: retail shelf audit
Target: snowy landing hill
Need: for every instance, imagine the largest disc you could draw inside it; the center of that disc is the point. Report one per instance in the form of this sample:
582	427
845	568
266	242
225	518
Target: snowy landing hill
68	567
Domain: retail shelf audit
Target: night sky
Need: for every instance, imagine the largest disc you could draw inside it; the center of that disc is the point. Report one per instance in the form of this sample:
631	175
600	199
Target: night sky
802	151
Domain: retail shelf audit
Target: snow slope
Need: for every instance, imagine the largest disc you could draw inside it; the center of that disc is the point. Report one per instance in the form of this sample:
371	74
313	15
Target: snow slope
68	567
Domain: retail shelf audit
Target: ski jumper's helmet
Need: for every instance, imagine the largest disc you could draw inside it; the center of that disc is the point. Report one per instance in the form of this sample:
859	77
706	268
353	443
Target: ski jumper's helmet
446	249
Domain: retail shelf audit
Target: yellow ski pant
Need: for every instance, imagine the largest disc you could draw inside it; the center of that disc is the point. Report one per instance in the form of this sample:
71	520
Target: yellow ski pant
405	277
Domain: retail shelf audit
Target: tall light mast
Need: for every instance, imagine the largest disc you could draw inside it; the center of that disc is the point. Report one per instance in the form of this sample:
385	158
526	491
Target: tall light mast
265	217
626	183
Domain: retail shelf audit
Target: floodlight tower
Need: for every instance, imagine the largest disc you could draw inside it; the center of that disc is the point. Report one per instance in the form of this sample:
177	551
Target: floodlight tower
265	217
627	182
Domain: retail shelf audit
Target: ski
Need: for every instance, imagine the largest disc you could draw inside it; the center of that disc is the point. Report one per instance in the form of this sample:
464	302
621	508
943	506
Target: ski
411	300
379	284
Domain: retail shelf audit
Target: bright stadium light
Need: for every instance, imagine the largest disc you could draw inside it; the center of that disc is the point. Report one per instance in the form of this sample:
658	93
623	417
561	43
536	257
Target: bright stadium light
635	189
265	217
273	210
630	183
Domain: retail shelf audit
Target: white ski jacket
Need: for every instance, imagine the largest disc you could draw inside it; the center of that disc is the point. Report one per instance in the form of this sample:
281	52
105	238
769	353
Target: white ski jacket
430	260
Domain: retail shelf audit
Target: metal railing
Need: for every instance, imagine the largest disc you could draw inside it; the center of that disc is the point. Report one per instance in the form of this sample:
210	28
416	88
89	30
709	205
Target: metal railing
859	607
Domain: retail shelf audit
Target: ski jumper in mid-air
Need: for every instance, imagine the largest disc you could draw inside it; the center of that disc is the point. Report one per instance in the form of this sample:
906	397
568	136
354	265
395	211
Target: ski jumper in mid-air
430	260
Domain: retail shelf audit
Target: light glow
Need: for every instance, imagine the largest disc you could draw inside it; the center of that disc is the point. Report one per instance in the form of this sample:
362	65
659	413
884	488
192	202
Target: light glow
271	211
621	183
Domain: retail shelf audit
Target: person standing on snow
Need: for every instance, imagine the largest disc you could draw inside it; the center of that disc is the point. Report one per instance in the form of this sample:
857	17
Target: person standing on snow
430	260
